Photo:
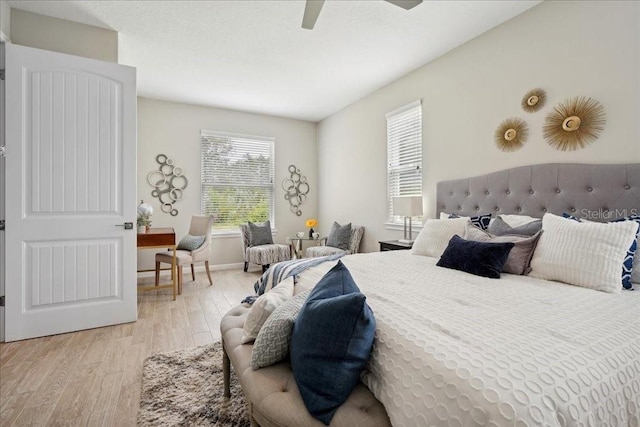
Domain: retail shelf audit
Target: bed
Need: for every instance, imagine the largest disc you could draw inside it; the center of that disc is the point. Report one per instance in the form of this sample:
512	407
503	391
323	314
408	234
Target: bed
457	349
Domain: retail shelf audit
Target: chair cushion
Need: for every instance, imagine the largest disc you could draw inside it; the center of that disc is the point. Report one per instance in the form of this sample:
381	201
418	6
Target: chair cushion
182	257
191	243
331	343
268	254
260	234
339	236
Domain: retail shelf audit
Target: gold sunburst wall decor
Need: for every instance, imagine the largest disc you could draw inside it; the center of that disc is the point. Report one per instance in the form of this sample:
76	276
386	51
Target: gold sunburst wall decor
533	100
574	123
511	134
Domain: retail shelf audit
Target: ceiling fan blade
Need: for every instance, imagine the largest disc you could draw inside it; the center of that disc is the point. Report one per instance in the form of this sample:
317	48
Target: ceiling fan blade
405	4
311	12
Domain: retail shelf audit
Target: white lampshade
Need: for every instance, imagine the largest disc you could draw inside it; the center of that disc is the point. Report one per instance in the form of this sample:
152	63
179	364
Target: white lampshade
407	206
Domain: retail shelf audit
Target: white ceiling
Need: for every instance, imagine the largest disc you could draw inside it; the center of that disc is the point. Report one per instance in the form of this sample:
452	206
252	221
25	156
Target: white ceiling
254	56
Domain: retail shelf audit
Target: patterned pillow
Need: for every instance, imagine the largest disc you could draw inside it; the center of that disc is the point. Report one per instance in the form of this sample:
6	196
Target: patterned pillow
260	234
631	263
190	243
631	266
480	221
273	340
339	236
263	307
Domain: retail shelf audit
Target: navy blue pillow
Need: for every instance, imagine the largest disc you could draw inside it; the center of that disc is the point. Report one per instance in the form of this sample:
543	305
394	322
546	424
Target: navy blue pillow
331	343
480	221
479	258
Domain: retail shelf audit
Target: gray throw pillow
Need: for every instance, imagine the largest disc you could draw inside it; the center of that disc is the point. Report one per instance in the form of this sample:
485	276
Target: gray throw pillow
339	236
520	256
190	243
498	227
260	233
272	343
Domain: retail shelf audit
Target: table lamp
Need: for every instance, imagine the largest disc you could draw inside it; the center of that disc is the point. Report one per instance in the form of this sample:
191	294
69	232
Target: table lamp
408	207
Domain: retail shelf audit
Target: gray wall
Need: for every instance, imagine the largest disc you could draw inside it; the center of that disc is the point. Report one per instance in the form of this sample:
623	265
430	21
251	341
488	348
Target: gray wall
174	129
588	48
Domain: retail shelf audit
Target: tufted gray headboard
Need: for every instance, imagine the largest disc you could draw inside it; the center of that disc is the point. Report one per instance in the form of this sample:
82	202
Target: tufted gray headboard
596	192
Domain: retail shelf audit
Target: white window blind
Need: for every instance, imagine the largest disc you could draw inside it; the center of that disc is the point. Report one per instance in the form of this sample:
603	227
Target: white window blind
237	175
404	155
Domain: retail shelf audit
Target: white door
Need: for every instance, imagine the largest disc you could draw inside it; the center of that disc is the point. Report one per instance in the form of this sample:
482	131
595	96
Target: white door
70	187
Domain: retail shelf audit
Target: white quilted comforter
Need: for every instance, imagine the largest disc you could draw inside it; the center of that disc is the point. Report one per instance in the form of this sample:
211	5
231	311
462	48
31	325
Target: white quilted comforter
453	349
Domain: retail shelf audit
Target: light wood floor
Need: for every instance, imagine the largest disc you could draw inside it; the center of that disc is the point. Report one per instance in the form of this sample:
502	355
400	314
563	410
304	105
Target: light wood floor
93	377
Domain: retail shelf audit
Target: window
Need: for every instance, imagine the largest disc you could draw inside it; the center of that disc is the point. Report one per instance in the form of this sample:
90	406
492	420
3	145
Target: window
404	155
237	179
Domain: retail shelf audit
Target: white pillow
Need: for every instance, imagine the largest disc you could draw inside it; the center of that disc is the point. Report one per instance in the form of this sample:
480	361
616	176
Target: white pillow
582	254
514	221
264	306
435	235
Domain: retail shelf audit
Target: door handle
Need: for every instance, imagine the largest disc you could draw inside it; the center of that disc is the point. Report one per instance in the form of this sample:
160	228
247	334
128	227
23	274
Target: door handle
126	225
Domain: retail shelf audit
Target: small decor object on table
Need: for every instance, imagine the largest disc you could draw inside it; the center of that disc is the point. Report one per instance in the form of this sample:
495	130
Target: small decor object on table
145	211
311	223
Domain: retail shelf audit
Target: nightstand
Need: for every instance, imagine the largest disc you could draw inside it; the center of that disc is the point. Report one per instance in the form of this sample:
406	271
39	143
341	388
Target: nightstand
394	245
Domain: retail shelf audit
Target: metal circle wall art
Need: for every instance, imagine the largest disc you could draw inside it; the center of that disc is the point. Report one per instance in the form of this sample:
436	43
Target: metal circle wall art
296	189
169	183
533	100
574	123
511	134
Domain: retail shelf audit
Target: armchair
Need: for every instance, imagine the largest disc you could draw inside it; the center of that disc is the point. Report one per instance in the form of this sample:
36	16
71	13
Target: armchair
265	255
357	231
200	226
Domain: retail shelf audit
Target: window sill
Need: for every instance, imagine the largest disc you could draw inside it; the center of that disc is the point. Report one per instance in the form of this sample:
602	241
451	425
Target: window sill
225	234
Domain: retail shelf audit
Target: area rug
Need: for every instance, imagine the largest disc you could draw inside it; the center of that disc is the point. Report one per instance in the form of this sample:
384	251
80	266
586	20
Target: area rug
185	388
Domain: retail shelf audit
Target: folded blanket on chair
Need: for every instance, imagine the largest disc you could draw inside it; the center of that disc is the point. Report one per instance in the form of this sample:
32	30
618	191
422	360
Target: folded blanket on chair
280	271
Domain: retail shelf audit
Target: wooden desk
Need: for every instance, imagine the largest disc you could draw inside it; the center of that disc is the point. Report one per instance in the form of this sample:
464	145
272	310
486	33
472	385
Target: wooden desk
158	238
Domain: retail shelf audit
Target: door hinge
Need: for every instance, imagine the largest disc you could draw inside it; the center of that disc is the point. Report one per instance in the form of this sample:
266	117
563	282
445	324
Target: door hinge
1	224
1	74
2	301
3	153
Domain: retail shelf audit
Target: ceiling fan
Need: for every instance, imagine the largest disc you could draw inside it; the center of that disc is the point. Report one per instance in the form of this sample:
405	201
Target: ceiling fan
313	7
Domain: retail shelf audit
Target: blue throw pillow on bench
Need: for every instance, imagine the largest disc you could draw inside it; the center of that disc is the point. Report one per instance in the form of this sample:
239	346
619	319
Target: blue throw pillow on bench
331	343
479	258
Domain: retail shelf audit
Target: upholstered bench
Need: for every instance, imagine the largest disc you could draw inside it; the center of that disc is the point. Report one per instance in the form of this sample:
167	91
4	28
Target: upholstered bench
274	399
